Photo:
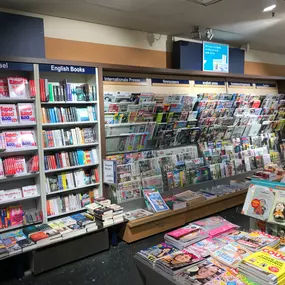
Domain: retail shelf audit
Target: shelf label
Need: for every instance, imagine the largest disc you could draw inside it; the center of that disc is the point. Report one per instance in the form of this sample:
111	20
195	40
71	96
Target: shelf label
109	170
170	82
266	85
240	84
115	80
16	66
67	68
209	83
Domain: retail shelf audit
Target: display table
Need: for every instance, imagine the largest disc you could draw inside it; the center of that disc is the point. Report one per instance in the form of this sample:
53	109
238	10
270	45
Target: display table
161	222
151	276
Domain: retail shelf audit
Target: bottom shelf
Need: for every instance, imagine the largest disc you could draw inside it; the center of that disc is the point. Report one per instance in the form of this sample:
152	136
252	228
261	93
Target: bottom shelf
161	222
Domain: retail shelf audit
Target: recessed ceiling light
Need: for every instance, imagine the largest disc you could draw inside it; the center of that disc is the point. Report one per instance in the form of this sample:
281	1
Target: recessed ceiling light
269	8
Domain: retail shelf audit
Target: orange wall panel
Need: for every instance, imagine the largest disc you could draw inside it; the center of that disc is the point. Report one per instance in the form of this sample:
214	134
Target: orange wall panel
259	68
93	52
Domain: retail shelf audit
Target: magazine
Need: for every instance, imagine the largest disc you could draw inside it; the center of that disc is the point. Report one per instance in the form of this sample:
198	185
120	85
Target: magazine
200	273
156	201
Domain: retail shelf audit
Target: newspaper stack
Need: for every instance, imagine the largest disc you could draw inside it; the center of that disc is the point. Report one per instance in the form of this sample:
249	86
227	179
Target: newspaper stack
264	267
184	237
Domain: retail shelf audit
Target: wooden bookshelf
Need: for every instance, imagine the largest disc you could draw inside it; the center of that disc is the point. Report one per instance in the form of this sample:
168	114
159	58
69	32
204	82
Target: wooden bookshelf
161	222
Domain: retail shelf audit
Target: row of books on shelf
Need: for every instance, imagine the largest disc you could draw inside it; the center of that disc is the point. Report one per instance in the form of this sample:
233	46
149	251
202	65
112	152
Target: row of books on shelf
69	137
16	216
73	179
18	193
16	140
18	165
35	236
69	114
63	91
17	87
67	203
21	113
215	251
71	158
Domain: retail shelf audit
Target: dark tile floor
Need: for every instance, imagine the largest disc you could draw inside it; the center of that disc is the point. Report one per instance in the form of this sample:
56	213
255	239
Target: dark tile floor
113	267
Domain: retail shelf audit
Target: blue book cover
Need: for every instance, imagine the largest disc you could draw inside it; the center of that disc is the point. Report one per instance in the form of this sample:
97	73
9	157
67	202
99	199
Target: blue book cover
82	114
94	113
156	201
80	155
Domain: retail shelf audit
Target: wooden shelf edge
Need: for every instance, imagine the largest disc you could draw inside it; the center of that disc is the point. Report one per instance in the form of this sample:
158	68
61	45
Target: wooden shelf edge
158	223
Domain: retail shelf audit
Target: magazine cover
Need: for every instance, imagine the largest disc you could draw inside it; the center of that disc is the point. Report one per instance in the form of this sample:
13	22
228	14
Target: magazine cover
200	273
178	260
156	201
231	254
156	252
268	261
258	202
277	213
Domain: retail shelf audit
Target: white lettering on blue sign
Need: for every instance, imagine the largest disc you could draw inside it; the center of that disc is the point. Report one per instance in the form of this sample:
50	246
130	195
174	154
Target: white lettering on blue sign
62	68
170	81
240	84
4	65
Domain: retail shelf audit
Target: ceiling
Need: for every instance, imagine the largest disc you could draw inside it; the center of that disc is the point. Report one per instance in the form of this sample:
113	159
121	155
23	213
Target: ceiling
237	22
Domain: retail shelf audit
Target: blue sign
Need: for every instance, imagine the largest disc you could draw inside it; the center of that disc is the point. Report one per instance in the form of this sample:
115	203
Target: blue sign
169	81
210	83
240	84
66	68
132	80
16	66
264	85
215	57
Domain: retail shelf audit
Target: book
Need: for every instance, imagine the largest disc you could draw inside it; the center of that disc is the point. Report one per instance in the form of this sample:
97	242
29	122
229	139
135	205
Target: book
137	214
17	87
156	201
259	201
26	113
8	114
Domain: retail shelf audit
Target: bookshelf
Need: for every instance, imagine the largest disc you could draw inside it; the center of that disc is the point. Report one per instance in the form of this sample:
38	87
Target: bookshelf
19	155
71	137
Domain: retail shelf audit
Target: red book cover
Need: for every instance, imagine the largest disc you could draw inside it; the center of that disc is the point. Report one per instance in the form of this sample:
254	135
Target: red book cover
4	90
42	90
32	89
96	173
54	162
38	236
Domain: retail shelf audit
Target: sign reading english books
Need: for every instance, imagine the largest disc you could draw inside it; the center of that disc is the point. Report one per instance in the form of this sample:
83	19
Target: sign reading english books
66	68
215	57
16	66
169	82
201	83
115	80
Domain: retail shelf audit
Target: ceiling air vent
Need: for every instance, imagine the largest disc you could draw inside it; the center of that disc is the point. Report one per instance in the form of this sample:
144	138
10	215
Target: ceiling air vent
205	2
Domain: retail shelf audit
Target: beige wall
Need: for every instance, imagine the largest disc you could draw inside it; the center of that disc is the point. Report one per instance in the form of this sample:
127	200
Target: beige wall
75	40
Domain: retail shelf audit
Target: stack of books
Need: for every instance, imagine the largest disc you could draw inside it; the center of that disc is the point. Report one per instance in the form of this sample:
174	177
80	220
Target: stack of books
107	213
190	197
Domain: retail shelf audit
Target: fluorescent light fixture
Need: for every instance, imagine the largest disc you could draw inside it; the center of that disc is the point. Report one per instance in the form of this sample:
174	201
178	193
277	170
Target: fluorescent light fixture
269	8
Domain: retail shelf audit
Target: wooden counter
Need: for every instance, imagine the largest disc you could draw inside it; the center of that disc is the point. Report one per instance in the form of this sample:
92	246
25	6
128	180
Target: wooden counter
161	222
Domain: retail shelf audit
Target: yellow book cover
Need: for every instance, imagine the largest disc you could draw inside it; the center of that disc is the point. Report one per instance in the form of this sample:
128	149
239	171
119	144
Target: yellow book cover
63	178
268	260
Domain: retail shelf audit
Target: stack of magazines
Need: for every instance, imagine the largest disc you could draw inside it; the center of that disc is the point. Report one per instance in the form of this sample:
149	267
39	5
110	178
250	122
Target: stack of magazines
264	267
154	253
185	236
176	262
